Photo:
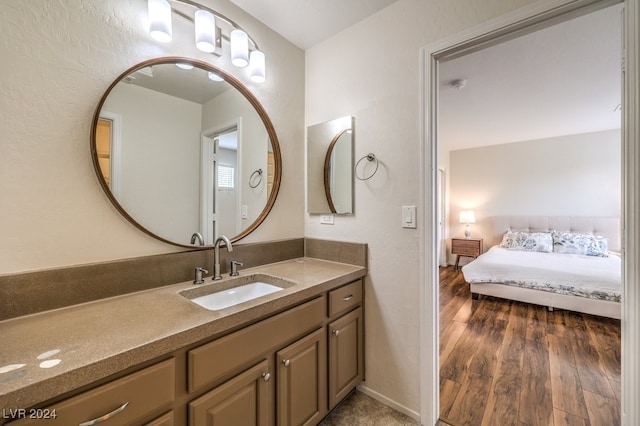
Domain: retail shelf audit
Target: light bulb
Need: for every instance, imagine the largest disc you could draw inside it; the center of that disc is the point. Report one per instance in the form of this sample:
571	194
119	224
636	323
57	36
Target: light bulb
184	65
239	48
257	66
205	24
160	20
215	77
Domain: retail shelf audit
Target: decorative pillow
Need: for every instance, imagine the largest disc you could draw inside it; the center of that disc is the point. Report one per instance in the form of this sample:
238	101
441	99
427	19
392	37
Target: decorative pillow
575	243
528	241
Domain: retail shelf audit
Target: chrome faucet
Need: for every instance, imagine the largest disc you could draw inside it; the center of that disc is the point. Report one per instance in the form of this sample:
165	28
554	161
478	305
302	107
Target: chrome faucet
216	255
234	268
197	236
199	274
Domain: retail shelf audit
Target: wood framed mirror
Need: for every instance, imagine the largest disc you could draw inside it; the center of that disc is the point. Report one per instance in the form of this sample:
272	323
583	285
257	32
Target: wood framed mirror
330	148
185	152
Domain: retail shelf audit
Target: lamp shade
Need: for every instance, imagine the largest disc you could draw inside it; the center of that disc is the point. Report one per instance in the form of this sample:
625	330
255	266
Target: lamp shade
160	20
239	48
205	29
257	66
467	216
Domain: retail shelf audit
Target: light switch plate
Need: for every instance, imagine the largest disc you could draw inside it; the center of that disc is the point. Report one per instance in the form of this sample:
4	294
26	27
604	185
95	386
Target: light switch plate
326	219
409	216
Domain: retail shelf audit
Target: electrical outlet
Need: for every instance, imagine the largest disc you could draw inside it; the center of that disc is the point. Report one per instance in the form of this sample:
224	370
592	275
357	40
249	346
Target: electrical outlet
326	219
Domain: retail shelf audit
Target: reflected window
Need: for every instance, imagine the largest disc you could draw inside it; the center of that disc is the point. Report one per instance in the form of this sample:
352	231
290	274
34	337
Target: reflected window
225	177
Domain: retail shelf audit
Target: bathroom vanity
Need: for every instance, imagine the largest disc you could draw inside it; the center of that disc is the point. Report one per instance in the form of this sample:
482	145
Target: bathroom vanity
156	358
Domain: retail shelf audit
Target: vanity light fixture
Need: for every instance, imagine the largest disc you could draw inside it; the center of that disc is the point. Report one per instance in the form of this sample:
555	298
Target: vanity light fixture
209	34
184	66
239	48
257	66
160	20
205	29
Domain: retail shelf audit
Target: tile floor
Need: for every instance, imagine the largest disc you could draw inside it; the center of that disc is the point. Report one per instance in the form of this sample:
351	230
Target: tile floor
359	409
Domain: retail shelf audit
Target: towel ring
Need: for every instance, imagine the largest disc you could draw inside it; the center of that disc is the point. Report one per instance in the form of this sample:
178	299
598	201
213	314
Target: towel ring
368	157
255	179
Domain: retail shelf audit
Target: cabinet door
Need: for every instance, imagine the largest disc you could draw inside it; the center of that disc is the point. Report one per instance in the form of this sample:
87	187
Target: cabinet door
243	400
302	381
345	355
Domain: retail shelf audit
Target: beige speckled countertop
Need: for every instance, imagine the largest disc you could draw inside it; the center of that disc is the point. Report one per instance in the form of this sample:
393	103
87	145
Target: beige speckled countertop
98	339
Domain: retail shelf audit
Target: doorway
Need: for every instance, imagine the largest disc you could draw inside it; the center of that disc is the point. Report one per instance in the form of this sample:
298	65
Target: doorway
220	210
523	20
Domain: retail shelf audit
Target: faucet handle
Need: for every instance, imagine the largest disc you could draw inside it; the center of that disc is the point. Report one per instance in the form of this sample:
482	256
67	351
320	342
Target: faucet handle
234	268
198	279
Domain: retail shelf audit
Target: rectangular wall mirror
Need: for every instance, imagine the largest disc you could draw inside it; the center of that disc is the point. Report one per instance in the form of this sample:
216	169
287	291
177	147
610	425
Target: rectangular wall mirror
330	167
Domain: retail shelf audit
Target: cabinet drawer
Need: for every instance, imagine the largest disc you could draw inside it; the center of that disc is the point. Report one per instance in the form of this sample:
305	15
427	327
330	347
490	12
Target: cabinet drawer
143	392
210	362
344	298
466	247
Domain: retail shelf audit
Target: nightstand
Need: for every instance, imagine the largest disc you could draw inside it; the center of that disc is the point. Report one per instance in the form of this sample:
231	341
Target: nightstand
467	247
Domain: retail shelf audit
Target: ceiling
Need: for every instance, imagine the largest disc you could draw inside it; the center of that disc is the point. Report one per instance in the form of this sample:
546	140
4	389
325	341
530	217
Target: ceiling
561	80
305	23
565	79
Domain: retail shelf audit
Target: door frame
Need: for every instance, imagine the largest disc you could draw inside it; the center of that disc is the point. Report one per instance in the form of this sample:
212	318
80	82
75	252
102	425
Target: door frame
115	150
212	133
528	18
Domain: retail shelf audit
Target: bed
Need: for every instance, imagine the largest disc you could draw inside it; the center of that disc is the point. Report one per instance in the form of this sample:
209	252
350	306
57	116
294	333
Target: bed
547	276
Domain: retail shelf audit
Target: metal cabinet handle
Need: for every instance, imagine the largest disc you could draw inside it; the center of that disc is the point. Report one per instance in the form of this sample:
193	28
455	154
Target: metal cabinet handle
106	416
336	332
266	377
346	299
286	362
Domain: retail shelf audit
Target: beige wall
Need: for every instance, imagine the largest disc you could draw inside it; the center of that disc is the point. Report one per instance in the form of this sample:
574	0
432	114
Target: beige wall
58	58
371	71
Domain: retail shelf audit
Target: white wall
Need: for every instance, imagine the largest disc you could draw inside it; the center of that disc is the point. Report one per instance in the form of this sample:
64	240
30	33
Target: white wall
58	59
160	172
576	175
377	81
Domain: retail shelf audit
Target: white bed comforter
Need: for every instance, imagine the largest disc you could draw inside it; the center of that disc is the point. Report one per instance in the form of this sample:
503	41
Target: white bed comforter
578	275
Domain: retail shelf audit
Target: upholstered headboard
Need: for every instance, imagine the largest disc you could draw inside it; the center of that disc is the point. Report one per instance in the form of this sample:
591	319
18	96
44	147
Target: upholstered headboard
608	227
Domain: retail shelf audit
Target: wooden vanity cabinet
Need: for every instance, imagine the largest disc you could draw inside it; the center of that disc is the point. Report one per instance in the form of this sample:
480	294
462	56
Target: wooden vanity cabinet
295	340
316	350
289	369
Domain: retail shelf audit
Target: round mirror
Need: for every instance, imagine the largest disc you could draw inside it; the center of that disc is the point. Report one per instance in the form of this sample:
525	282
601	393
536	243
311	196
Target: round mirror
185	152
338	173
330	166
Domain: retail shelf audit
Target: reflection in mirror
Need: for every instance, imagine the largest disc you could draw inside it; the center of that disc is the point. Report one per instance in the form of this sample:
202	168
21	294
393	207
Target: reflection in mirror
338	173
175	148
330	167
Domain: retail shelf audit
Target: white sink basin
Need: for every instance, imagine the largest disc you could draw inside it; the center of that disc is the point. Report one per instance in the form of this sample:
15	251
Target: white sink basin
232	291
235	295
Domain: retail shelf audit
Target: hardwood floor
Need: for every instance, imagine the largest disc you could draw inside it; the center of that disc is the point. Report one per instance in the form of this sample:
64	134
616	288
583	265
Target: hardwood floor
510	363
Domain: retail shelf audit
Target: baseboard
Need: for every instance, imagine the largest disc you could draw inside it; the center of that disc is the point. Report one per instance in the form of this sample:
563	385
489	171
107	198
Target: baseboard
388	402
